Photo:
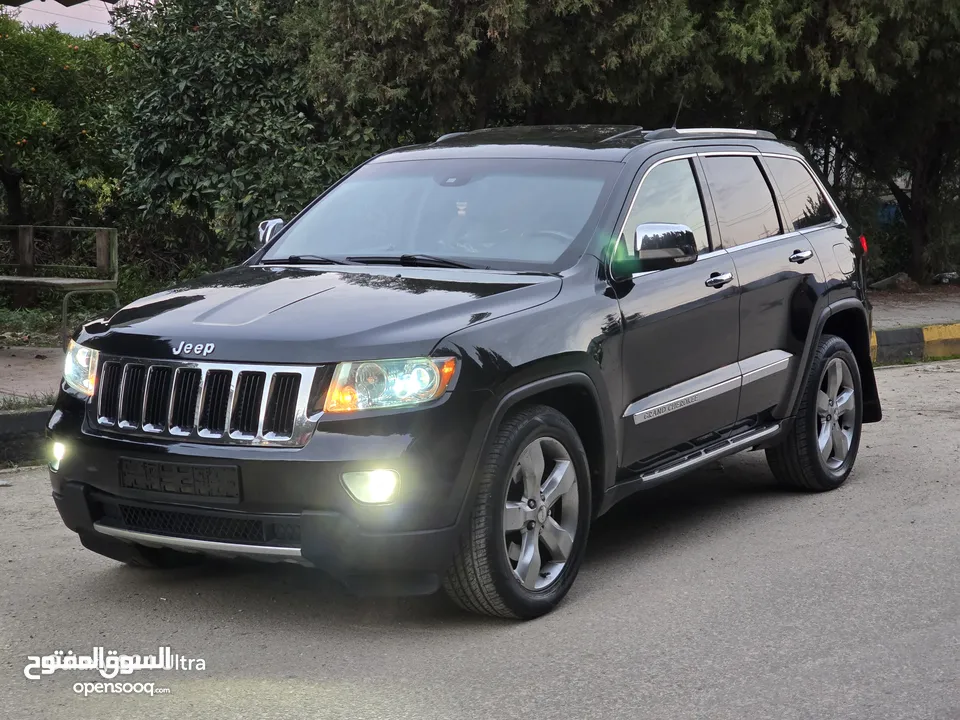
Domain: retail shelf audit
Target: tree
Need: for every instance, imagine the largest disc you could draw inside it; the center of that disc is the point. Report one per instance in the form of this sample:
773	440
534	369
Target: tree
407	71
56	120
222	133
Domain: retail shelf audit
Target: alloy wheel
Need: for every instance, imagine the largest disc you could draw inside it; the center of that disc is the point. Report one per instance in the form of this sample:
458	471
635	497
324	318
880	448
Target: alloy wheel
836	413
540	513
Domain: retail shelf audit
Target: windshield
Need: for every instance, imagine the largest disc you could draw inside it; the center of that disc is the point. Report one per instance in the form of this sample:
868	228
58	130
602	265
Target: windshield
503	214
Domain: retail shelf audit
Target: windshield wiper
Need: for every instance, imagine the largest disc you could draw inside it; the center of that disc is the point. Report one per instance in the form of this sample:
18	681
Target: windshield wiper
303	260
411	260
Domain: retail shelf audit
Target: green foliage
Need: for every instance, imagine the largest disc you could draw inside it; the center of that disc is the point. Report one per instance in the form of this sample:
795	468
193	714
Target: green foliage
220	134
204	118
57	122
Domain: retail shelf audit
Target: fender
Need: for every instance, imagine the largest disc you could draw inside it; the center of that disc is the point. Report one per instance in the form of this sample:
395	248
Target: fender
517	395
871	410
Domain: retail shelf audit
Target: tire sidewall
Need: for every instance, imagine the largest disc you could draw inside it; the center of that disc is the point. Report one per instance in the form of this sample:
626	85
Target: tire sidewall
529	603
833	347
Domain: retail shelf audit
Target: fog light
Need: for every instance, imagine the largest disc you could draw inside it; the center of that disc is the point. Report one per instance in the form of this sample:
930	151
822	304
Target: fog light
59	450
372	486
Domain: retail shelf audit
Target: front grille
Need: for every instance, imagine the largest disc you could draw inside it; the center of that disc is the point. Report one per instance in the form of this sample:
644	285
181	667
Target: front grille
203	526
206	402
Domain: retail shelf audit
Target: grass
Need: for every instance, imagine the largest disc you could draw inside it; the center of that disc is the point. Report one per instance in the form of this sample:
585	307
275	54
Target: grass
27	402
36	327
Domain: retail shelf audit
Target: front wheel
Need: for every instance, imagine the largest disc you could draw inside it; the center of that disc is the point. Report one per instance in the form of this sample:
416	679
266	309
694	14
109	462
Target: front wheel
820	451
528	531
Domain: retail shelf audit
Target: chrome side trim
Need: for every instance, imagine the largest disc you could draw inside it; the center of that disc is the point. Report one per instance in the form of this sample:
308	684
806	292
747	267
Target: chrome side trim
709	385
728	447
763	241
689	392
701	256
206	546
764	365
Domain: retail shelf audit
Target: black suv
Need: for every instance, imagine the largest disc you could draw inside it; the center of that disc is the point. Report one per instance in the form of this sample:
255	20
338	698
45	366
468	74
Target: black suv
460	355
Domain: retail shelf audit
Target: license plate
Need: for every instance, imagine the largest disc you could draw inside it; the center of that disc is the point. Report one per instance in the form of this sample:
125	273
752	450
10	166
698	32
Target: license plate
212	481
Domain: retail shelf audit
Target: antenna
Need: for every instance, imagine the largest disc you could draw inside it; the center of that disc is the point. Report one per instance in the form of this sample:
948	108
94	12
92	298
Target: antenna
677	116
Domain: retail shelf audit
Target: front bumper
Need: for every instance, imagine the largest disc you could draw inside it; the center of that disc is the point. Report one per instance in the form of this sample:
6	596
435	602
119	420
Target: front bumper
291	505
366	562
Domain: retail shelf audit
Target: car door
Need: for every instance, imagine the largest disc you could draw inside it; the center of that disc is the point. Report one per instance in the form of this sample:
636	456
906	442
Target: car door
777	268
681	327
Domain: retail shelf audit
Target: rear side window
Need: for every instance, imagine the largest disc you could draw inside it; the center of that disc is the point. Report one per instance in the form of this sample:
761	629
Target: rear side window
805	204
742	198
669	194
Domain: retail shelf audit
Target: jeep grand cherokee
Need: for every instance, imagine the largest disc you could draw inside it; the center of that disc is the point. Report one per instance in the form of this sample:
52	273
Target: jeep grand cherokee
443	370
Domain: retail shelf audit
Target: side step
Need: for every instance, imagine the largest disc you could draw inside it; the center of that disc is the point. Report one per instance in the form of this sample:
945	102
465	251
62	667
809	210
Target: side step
701	457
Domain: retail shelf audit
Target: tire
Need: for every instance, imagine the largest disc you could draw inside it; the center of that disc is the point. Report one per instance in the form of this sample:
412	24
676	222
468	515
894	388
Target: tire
496	570
811	456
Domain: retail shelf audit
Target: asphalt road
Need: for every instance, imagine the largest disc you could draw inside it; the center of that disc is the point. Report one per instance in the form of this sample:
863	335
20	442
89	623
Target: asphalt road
718	597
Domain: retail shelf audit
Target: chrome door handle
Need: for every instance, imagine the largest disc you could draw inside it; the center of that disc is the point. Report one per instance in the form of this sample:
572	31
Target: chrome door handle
718	280
800	255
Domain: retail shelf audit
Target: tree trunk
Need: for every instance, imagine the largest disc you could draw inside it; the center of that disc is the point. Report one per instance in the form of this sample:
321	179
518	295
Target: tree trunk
10	178
927	182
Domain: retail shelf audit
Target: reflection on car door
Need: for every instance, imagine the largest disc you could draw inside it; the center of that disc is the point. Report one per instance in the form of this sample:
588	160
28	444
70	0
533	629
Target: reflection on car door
681	381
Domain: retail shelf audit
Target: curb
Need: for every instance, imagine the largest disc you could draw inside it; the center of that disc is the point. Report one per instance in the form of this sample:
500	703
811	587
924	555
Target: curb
931	342
23	434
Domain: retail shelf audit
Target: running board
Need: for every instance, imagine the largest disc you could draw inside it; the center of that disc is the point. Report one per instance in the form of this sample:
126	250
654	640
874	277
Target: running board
727	447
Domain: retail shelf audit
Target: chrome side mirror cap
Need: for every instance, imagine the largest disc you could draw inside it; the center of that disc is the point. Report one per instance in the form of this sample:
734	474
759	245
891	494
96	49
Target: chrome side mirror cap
659	246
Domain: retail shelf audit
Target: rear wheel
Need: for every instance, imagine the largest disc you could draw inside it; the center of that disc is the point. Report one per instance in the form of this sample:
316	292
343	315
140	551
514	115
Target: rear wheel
527	534
820	451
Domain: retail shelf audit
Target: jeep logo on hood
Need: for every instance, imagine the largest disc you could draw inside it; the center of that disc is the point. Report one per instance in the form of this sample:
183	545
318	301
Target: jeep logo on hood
202	349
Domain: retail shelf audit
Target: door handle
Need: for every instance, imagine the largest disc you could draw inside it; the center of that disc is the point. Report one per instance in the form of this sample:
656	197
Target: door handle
717	280
800	255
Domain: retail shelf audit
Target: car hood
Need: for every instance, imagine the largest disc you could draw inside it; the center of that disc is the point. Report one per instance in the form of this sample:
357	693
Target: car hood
274	314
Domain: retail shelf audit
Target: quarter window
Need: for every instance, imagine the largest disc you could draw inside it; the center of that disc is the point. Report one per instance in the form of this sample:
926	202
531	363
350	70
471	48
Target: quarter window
669	194
744	203
805	205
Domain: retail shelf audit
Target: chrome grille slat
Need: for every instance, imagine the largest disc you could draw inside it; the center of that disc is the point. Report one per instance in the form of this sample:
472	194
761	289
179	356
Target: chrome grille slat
264	400
213	421
219	403
156	399
131	393
108	389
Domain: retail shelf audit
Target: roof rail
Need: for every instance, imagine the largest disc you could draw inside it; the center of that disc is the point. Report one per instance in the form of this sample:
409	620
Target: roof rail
668	133
450	135
626	133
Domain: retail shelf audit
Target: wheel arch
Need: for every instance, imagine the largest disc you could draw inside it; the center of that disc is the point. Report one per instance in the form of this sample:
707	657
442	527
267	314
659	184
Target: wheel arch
846	319
575	395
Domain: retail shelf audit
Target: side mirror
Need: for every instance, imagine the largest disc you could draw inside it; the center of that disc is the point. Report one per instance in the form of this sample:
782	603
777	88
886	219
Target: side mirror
269	228
659	246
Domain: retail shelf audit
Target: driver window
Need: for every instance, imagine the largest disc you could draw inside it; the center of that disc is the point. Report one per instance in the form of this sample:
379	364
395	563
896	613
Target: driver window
669	194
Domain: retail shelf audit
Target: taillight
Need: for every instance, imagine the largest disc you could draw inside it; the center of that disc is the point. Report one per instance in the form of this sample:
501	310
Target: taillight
863	243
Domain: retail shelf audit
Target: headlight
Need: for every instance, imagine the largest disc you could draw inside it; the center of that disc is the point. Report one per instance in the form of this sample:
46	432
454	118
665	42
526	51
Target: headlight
371	385
80	368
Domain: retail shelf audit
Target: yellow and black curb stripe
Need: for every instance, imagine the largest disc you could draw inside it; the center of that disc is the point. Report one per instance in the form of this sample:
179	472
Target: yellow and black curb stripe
916	343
